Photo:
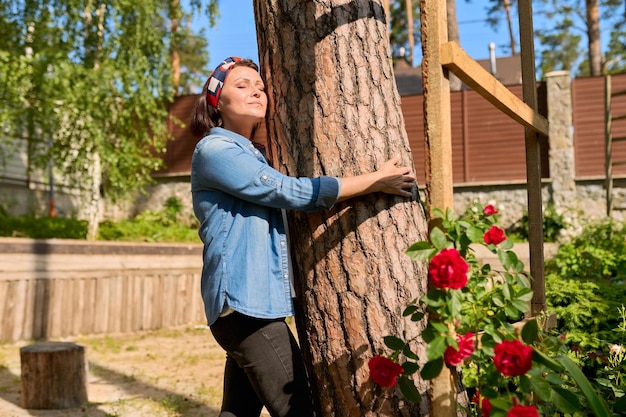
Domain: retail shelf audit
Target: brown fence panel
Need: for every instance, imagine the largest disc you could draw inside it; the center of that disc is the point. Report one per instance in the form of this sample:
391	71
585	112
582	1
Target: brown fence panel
588	107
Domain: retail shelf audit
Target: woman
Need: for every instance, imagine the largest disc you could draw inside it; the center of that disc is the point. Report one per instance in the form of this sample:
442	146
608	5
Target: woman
238	199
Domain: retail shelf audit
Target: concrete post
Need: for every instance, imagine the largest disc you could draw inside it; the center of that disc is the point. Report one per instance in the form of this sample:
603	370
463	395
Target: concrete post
562	161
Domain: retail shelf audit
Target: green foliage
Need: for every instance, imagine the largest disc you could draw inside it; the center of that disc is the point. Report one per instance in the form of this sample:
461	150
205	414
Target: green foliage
87	86
399	35
566	26
166	225
553	223
487	305
42	227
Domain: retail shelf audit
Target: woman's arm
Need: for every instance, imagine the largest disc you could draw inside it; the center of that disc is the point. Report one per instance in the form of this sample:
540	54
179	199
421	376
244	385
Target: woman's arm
390	179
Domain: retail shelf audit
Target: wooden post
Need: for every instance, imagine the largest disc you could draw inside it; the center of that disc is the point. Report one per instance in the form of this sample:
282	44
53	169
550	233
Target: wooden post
437	133
533	160
53	375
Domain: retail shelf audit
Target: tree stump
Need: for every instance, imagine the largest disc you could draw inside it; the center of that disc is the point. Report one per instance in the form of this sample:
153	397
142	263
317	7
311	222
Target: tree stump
53	375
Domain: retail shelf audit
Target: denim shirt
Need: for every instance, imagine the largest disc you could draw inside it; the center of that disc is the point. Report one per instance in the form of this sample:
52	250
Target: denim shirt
238	197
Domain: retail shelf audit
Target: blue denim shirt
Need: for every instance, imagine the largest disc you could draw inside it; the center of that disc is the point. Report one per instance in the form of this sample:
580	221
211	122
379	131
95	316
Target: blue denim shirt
238	197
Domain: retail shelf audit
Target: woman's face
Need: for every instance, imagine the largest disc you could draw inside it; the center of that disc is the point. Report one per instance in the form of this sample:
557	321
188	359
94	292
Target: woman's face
243	101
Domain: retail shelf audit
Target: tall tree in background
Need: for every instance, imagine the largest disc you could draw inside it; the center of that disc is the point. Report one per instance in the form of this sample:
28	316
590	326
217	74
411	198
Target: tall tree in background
87	85
334	110
399	29
592	21
573	19
494	15
188	50
453	35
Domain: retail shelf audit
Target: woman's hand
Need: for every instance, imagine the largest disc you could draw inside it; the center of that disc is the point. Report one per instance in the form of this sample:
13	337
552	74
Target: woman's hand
390	179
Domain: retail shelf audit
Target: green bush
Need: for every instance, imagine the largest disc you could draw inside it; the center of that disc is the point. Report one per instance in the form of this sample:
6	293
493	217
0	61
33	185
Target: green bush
166	225
586	285
42	227
553	223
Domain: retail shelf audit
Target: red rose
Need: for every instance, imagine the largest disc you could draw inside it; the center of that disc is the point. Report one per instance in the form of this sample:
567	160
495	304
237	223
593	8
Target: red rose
448	269
485	406
512	357
466	347
384	371
523	411
494	235
490	210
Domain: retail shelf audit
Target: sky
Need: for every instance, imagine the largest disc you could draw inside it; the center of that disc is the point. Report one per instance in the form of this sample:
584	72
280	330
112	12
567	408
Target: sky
235	33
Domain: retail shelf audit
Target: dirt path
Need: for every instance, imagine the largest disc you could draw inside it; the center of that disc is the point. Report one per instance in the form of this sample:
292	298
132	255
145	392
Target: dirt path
165	373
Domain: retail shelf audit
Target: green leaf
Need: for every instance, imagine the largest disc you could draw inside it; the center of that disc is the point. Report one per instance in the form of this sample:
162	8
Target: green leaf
439	326
530	332
475	234
543	359
565	400
410	368
408	390
393	342
525	294
417	316
541	387
438	238
597	405
409	310
436	348
521	306
432	368
409	353
620	405
421	251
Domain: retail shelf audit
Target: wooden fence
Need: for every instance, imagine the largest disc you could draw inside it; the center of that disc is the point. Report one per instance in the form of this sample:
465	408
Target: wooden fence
58	288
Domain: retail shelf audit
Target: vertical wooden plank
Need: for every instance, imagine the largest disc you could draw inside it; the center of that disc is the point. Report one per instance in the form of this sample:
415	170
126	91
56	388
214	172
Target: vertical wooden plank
8	319
55	304
89	313
29	300
116	315
436	87
533	159
138	285
19	298
437	134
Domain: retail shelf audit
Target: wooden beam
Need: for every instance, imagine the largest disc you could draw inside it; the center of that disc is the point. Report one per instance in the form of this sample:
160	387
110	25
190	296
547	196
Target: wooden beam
533	159
454	58
439	184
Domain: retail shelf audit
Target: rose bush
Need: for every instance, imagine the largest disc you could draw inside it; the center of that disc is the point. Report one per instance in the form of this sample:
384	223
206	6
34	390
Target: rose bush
510	367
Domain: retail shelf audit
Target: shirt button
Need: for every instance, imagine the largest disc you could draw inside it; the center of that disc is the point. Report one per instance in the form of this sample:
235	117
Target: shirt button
285	276
264	177
282	243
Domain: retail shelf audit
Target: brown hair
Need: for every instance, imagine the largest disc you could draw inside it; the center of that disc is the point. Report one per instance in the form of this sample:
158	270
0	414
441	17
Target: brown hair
204	116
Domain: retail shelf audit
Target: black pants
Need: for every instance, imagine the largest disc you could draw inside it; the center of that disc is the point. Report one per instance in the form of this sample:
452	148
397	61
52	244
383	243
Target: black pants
264	367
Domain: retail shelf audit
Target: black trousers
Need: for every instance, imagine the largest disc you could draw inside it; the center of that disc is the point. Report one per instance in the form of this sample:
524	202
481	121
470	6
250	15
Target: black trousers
264	367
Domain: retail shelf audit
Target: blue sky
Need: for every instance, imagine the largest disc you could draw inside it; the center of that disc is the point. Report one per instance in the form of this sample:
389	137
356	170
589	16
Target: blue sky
235	33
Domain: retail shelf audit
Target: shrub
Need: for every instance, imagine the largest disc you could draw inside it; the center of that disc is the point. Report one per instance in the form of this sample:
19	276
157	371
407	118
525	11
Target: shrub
553	223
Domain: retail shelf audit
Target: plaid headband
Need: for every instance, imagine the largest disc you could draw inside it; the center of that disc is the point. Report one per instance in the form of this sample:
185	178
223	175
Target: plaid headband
217	79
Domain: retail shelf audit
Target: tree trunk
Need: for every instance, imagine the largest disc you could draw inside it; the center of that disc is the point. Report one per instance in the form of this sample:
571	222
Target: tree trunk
409	29
174	53
593	33
335	110
453	35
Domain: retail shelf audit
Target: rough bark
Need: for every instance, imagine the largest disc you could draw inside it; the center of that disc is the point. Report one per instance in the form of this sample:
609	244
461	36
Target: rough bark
335	110
53	375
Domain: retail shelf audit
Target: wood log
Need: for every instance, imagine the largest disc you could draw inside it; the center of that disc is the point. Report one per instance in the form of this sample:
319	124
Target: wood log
53	375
